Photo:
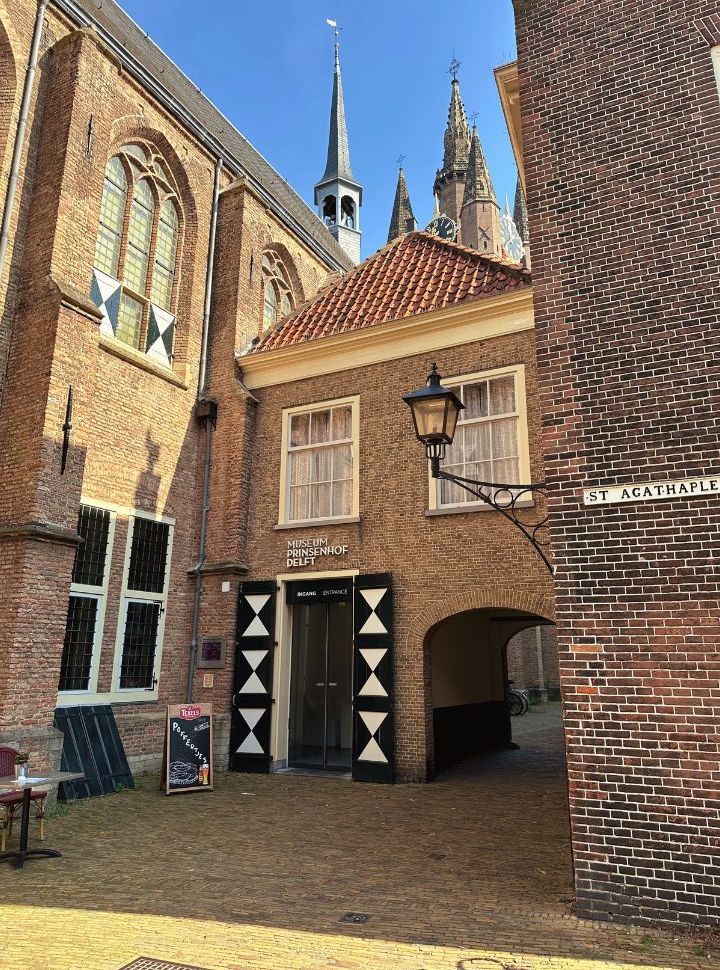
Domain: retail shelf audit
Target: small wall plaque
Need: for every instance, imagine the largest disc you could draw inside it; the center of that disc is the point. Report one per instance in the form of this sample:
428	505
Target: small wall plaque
212	653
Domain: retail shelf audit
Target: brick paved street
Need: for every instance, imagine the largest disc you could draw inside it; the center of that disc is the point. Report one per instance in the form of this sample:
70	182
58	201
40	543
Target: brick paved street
469	873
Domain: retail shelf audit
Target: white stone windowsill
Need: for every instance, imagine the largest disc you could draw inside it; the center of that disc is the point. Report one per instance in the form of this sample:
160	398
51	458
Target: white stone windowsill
314	523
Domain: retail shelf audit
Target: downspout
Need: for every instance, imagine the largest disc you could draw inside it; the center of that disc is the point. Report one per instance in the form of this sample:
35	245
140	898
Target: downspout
206	414
21	133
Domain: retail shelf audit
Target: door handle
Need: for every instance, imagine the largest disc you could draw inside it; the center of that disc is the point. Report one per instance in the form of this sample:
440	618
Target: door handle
321	684
332	684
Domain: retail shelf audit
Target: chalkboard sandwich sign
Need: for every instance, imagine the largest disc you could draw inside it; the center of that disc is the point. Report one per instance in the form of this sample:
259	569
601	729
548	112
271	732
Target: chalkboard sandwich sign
188	748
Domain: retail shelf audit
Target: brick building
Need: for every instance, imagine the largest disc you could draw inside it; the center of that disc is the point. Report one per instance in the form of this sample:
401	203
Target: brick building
617	129
341	507
125	186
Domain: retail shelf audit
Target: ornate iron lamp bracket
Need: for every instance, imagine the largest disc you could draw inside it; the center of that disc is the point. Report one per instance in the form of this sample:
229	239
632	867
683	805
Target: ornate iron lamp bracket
504	498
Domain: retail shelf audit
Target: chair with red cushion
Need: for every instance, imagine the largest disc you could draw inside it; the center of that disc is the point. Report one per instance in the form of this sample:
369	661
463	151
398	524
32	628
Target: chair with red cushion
11	802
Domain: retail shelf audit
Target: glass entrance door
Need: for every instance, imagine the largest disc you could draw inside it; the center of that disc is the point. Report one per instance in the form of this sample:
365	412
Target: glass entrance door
321	686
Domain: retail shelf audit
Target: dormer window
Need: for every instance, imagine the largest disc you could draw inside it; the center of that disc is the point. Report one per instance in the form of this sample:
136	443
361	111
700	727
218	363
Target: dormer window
277	300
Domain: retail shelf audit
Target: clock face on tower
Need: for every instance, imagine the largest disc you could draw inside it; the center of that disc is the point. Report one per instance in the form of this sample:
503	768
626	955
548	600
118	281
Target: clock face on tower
444	227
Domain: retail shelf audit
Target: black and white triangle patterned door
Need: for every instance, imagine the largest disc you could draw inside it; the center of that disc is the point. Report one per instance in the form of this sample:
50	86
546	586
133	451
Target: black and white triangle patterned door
252	690
373	736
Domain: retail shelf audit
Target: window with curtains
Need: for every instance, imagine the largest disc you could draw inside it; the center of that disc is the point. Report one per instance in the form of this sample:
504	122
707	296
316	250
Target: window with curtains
277	294
136	252
491	437
319	462
88	594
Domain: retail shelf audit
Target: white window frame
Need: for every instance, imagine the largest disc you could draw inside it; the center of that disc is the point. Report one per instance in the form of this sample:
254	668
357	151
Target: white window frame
100	595
715	54
284	503
133	694
518	371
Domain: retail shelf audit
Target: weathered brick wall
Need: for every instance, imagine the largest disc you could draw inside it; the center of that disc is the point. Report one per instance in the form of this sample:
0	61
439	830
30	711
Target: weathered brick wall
135	443
621	124
441	565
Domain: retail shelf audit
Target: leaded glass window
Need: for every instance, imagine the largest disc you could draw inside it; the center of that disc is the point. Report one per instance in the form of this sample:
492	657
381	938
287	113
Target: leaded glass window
277	293
137	244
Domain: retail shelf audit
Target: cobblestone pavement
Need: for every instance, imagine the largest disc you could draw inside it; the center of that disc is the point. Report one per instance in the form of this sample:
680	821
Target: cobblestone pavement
469	873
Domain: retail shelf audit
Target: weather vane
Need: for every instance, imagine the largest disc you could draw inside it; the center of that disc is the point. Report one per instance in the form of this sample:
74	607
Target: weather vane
454	68
474	116
400	159
336	29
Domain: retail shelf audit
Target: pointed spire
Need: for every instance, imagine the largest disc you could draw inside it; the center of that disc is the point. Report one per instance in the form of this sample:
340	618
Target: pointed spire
457	132
402	220
478	184
520	214
338	156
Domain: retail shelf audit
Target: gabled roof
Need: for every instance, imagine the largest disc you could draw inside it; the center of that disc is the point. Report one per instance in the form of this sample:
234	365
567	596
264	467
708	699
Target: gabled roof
162	77
412	275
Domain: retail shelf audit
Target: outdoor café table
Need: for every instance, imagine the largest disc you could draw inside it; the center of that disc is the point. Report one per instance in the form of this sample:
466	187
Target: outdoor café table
26	786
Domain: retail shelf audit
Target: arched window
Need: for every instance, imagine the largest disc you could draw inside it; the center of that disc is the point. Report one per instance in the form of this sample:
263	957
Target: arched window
136	252
329	210
347	211
278	300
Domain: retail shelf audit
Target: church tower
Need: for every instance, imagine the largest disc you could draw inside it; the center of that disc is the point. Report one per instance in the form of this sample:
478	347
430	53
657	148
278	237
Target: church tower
520	215
402	220
450	179
480	213
338	196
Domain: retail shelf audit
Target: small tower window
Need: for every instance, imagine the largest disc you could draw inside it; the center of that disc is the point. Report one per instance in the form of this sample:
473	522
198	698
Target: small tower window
277	301
347	212
329	210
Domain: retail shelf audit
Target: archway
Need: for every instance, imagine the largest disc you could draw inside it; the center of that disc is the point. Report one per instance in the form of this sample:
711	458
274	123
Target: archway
467	654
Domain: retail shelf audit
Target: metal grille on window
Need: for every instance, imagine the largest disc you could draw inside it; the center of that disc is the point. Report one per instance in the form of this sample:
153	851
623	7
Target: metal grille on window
148	556
93	527
138	660
79	639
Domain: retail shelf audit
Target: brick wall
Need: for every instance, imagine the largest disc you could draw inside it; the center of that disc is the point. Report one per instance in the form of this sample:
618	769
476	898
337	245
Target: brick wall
135	443
621	125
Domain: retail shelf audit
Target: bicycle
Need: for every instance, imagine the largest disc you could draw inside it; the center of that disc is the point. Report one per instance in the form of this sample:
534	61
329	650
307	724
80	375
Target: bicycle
517	701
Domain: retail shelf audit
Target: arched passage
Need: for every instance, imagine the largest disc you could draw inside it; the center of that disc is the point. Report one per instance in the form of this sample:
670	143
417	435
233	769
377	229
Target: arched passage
467	656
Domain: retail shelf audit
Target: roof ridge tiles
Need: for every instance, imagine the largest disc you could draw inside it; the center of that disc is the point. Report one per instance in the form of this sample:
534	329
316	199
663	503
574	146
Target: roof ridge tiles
415	273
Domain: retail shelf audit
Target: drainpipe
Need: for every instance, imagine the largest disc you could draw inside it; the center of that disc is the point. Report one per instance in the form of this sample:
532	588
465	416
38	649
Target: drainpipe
20	133
206	414
208	282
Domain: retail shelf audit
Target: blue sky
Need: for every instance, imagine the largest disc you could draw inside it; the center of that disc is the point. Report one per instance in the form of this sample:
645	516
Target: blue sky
268	67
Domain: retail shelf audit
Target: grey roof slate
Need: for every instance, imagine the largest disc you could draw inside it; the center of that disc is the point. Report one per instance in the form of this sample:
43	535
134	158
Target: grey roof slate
135	46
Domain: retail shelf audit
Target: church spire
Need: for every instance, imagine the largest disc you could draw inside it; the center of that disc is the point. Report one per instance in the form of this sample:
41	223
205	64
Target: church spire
457	132
450	179
338	154
338	196
478	184
520	216
480	212
402	220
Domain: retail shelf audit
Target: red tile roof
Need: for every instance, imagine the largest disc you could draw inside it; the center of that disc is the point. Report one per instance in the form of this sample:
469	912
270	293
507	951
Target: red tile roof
414	274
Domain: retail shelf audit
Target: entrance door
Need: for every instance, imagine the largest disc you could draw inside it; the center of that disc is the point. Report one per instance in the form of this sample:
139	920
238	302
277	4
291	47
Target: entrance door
321	686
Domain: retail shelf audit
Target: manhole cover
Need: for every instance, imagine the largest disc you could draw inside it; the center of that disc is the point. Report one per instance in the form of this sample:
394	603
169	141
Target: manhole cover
354	918
147	963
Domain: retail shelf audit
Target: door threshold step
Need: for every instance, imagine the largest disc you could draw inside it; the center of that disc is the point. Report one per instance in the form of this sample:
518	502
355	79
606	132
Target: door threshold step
313	772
